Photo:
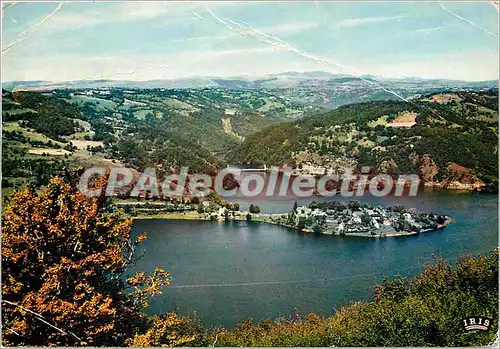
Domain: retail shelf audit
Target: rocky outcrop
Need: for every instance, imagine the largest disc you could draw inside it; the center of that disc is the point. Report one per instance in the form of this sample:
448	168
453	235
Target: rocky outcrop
389	167
455	176
428	169
459	177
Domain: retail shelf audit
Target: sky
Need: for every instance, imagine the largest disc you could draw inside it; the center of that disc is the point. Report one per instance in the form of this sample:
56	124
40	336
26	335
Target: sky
169	40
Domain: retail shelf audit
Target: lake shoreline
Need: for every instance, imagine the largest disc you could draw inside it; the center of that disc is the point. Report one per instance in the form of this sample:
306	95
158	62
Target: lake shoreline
263	218
398	234
323	271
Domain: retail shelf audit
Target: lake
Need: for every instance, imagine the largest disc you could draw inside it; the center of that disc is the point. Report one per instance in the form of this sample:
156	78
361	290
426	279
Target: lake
227	272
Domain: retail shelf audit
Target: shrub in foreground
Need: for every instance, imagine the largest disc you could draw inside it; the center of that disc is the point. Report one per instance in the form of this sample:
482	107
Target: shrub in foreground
64	282
424	311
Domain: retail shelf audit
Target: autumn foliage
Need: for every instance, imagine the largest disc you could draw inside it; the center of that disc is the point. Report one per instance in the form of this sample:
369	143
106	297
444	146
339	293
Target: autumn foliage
64	263
65	282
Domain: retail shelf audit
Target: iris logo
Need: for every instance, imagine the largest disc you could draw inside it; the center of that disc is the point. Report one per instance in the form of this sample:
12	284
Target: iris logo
476	323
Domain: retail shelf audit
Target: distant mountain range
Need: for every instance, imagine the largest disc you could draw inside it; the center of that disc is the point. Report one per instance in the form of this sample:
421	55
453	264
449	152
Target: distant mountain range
316	89
271	81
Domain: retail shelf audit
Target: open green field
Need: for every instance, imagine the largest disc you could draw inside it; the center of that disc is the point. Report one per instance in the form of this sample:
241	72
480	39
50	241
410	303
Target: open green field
99	102
12	126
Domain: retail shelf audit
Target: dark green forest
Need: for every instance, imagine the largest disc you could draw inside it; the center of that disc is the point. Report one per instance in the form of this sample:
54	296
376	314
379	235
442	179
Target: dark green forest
463	131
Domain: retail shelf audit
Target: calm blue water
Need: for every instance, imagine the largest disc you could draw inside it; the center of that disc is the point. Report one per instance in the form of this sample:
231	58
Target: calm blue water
229	272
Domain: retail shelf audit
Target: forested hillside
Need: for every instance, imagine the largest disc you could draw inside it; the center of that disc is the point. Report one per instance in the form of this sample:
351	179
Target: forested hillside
444	136
450	139
45	133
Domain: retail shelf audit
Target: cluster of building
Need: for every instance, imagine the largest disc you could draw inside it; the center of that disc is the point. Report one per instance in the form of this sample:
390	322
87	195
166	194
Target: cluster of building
354	218
92	93
225	214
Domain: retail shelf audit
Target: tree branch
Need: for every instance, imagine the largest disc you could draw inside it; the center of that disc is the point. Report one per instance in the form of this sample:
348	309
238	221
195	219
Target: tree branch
42	319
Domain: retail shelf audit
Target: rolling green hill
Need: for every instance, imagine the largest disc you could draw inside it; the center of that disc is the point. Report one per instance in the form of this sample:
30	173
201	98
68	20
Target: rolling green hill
47	131
450	139
448	136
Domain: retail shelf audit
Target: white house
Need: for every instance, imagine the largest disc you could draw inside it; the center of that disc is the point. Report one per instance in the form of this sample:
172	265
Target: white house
408	218
303	210
318	213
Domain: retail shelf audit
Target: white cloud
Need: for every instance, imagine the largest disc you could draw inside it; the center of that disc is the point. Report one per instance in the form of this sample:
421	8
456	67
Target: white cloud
352	22
460	65
116	13
130	11
428	30
122	12
288	28
237	52
280	29
65	67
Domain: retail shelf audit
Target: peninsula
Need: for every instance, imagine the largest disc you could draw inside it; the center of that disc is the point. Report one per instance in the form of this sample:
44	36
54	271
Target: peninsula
351	218
360	219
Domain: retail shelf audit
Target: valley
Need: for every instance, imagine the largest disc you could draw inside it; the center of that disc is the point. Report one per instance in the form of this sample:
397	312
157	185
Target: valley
249	174
447	136
451	145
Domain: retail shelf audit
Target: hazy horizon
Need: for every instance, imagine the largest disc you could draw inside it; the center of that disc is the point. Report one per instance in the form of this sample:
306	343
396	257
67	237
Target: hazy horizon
252	78
61	42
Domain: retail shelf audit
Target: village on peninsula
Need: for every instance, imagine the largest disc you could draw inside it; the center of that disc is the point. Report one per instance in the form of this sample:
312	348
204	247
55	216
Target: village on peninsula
351	218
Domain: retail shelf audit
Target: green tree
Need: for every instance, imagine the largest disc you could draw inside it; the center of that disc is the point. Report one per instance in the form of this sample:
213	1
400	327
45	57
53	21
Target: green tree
354	205
254	209
313	205
301	223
